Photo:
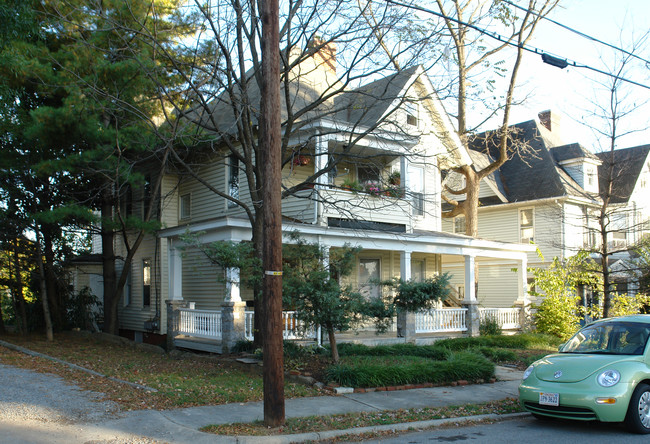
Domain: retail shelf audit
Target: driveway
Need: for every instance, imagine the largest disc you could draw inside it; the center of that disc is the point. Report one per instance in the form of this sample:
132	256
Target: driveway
41	408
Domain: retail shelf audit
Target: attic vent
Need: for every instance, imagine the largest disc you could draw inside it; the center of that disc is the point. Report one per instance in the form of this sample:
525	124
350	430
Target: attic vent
411	113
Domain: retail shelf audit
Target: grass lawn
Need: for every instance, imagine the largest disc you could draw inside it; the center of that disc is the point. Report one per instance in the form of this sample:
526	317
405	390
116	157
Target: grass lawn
179	382
210	380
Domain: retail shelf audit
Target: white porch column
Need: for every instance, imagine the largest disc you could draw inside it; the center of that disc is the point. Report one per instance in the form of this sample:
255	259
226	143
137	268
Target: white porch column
175	275
175	293
405	320
472	318
522	272
523	302
321	158
405	265
470	278
233	293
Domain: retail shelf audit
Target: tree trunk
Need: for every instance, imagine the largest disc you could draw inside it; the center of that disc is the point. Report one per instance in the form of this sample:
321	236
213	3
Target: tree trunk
57	305
334	348
43	287
108	263
17	292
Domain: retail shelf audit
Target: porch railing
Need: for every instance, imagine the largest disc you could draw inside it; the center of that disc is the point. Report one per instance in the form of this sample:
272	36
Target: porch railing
292	327
441	320
207	323
199	323
508	318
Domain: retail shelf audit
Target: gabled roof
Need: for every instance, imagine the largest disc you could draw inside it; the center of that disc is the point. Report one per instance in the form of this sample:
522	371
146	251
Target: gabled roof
572	151
367	104
625	165
533	172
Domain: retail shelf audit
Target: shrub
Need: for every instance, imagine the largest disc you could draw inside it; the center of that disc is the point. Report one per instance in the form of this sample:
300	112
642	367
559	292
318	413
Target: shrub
558	316
243	346
522	341
498	355
489	326
425	351
372	371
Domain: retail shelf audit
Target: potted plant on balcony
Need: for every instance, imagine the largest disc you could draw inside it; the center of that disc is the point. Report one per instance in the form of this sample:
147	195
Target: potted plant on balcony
395	178
301	160
372	188
351	185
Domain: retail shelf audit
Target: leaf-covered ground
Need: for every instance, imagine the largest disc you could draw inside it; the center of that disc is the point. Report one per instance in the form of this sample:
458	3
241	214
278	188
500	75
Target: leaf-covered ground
180	382
365	419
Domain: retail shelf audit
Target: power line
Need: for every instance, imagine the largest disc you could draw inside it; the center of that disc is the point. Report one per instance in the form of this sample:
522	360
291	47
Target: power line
508	41
575	31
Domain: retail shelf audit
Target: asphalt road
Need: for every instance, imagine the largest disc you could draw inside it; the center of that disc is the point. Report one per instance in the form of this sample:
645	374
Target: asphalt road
524	430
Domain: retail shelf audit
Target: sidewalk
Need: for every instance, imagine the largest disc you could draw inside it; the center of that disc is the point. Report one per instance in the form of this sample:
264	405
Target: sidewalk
181	426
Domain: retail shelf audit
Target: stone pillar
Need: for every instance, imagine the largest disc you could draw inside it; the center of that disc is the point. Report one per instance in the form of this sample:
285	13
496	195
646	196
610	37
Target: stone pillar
524	314
233	312
172	321
472	318
233	324
405	320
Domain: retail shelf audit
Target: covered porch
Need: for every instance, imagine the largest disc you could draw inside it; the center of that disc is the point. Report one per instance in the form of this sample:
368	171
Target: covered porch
400	255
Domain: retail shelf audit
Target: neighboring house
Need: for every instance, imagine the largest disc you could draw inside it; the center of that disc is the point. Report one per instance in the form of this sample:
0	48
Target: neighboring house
383	196
628	171
549	194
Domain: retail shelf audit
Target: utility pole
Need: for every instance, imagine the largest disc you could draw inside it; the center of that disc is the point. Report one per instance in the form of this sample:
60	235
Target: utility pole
270	145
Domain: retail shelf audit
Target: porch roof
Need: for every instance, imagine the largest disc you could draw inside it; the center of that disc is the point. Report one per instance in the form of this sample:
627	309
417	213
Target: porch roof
433	242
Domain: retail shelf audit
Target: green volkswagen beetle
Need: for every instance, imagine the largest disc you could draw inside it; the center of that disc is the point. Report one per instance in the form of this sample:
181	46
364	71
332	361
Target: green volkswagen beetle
602	373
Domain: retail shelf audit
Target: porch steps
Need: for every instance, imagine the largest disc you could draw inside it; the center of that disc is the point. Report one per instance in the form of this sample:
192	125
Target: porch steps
206	345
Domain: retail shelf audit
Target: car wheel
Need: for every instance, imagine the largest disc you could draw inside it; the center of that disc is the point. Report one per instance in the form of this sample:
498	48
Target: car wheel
638	412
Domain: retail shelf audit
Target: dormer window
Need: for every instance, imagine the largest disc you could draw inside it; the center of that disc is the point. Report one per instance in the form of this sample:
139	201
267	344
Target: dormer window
411	113
591	177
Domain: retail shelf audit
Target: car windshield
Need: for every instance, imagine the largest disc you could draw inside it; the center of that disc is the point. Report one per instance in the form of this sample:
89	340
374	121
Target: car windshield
615	338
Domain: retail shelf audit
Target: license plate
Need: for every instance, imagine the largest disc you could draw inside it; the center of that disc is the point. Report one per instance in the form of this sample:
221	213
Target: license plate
549	399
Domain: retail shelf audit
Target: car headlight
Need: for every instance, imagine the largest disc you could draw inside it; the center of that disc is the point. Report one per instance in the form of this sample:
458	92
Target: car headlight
528	371
609	378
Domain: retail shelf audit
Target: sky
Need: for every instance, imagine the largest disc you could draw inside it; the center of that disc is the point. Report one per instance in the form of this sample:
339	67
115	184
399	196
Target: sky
571	91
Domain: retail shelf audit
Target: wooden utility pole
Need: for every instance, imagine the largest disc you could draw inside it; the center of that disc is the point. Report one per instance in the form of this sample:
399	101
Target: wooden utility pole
270	145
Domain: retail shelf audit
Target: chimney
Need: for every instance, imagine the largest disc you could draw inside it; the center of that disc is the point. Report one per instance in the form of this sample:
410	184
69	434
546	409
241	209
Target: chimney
550	120
324	53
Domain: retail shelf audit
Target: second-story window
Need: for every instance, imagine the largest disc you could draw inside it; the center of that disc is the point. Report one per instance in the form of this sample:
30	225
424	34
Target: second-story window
526	226
416	188
459	225
233	179
185	205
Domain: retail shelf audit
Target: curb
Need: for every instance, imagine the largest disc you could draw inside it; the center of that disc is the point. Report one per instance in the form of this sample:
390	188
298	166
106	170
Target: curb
401	427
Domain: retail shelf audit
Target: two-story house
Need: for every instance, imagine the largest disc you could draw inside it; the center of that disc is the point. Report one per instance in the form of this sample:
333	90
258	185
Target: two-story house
550	193
389	139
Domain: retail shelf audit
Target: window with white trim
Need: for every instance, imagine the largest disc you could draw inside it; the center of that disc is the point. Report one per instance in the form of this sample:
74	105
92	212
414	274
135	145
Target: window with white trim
418	270
460	225
146	282
369	277
185	205
233	179
412	113
416	188
526	225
